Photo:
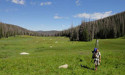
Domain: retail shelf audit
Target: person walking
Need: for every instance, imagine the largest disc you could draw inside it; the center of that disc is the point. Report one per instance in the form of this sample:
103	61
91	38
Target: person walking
97	58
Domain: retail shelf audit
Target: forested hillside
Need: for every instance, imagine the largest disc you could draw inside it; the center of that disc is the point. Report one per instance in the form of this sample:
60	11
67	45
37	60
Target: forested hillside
7	30
109	27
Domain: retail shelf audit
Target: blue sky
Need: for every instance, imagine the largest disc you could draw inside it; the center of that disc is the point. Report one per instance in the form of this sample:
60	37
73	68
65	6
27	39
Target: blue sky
56	14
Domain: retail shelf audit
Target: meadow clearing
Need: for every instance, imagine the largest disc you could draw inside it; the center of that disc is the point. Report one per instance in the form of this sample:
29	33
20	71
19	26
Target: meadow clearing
46	54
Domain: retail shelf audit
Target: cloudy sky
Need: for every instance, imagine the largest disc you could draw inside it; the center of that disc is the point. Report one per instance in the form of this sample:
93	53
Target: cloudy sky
56	14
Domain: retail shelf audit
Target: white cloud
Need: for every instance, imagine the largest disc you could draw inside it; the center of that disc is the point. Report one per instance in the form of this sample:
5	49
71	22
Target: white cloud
45	3
18	1
57	17
77	2
60	17
94	15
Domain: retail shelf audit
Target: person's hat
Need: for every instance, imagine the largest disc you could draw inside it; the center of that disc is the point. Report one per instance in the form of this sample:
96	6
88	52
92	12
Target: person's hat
95	49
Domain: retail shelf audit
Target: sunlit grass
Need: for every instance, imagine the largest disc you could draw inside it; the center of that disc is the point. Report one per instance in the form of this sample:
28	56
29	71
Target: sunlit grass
44	60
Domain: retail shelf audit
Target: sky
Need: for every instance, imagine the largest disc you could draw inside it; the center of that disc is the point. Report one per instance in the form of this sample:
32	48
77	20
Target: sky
56	14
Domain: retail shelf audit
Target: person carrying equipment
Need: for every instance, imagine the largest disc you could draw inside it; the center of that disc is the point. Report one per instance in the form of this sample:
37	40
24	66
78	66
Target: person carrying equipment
97	57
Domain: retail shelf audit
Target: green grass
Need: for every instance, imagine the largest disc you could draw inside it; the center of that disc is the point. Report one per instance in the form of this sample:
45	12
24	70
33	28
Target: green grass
44	60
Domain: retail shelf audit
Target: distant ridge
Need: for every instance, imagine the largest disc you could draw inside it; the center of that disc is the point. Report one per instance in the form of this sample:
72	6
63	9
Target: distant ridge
48	33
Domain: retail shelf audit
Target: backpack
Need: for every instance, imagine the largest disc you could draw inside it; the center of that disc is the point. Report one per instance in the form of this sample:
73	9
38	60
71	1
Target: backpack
94	53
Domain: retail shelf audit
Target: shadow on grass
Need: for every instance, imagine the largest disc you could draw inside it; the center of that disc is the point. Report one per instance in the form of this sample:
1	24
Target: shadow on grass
87	67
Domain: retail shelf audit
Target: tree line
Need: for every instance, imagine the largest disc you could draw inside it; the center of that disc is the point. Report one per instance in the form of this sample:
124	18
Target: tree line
109	27
7	30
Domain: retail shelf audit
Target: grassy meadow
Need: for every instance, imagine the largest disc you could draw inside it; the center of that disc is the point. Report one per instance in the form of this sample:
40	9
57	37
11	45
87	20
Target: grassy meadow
46	54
